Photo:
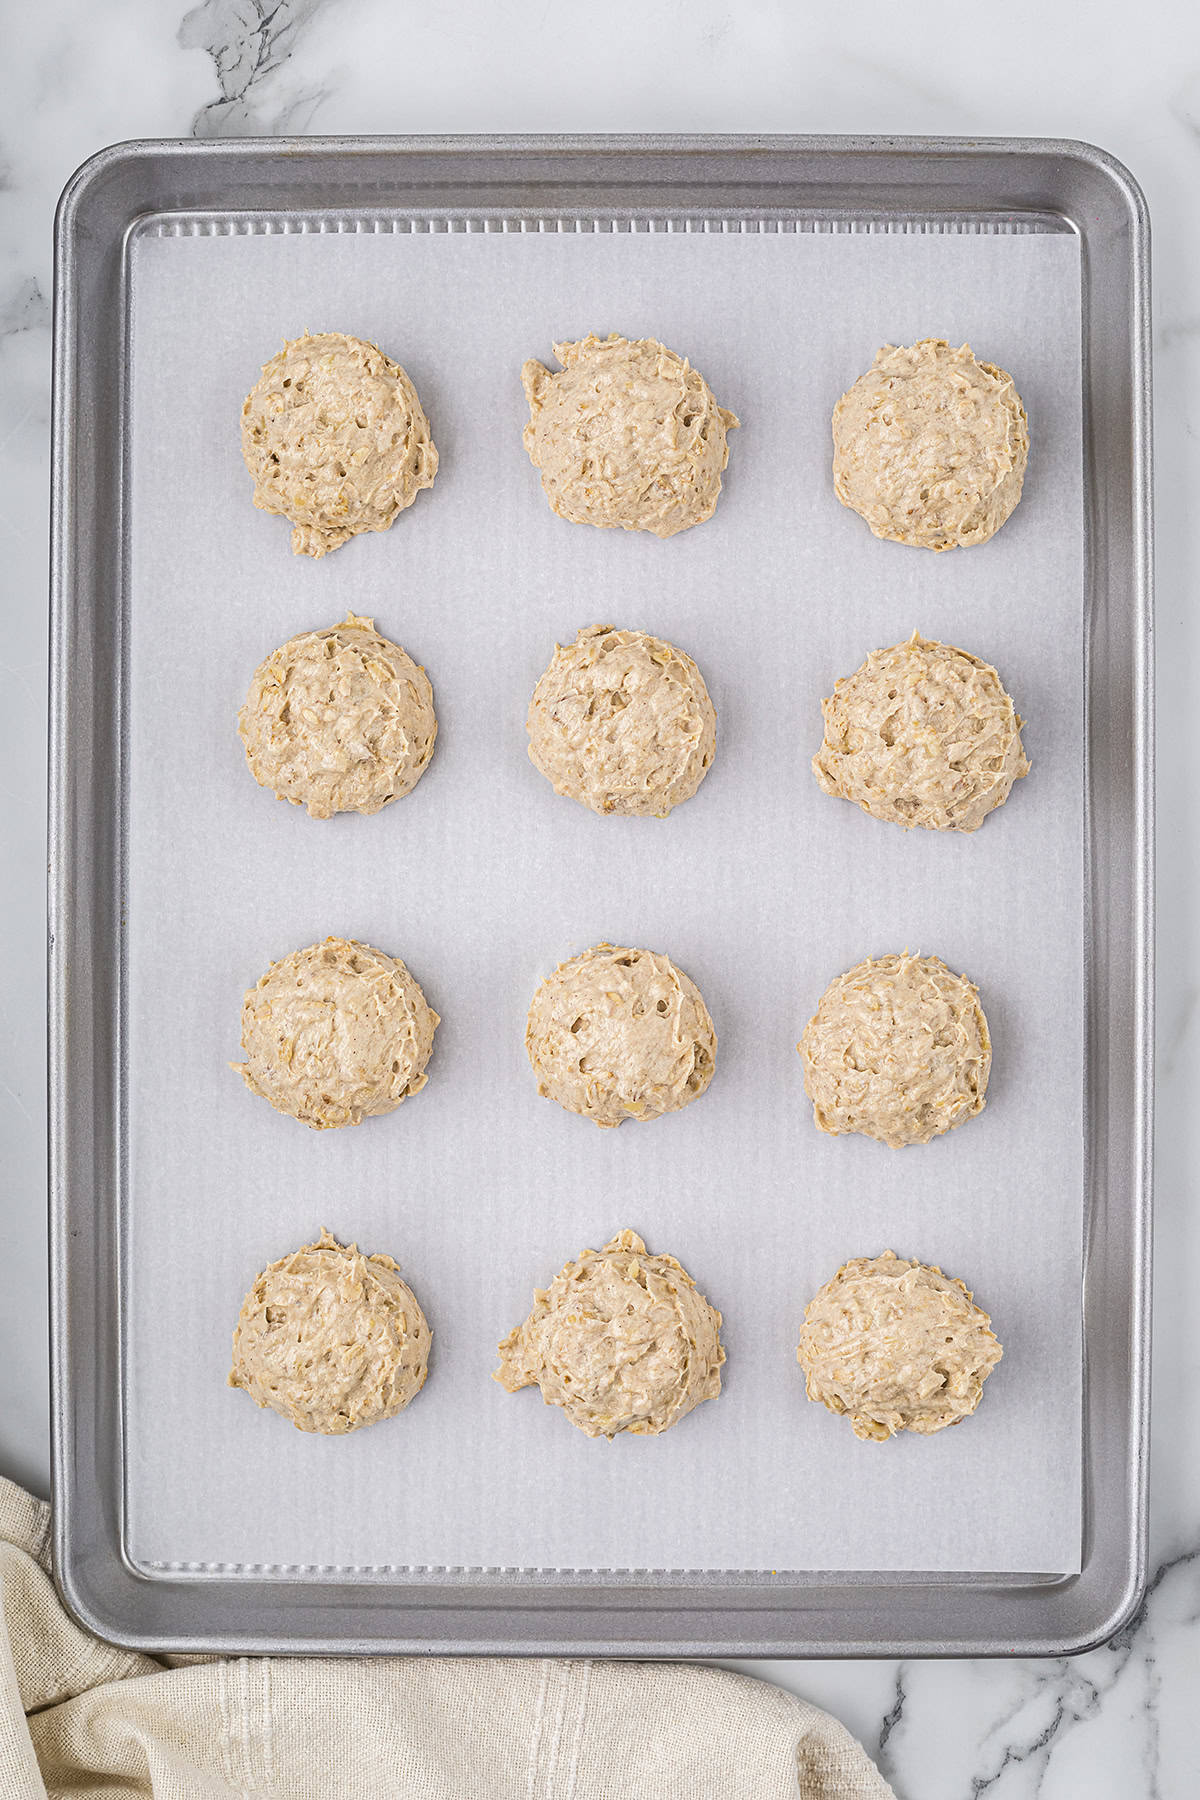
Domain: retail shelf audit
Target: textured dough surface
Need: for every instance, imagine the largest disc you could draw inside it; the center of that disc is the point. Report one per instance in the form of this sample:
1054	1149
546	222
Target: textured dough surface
331	1339
898	1049
922	734
622	722
626	434
897	1346
618	1034
930	446
621	1340
339	720
336	440
336	1033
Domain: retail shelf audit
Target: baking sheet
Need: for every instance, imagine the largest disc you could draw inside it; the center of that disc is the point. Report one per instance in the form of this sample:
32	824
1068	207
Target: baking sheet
761	888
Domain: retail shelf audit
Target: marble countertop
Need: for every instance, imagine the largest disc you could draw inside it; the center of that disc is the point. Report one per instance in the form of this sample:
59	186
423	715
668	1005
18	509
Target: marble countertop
81	73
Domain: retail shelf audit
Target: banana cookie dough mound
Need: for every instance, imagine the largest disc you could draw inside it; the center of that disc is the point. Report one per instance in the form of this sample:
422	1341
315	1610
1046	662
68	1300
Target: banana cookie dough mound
922	734
335	439
898	1050
619	1034
339	721
336	1033
897	1346
930	446
331	1339
621	1340
628	434
622	722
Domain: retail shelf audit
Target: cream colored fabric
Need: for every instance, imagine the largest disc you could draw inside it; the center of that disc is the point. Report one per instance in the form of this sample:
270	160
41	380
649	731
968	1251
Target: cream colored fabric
78	1718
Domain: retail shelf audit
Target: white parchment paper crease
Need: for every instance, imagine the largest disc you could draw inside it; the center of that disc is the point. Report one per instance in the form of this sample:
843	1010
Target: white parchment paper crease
760	887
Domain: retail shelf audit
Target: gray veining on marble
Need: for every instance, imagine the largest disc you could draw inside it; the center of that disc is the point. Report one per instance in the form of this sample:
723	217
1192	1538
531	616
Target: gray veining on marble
251	46
1120	1723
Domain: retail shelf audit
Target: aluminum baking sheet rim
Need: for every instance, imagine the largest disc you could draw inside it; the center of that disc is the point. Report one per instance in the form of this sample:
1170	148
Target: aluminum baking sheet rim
573	1617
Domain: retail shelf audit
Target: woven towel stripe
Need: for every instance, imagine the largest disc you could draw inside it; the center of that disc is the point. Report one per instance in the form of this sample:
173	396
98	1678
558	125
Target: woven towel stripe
536	1737
585	1683
564	1672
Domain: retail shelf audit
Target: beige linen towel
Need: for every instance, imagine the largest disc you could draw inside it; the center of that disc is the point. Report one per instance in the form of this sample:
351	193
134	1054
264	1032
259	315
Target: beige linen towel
80	1719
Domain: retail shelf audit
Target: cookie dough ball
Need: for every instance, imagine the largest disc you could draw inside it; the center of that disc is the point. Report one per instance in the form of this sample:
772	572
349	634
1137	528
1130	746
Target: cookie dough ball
922	734
622	722
898	1050
621	1340
335	439
336	1033
930	446
620	1034
339	721
331	1339
628	434
896	1345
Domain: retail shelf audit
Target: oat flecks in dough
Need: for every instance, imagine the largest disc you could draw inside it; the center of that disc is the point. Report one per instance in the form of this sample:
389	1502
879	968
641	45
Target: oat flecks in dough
618	1034
930	446
622	722
331	1339
339	721
336	1033
621	1340
897	1346
627	434
898	1049
336	440
922	734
